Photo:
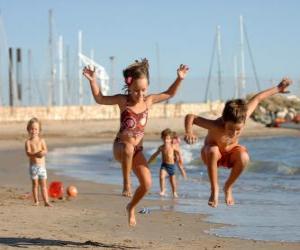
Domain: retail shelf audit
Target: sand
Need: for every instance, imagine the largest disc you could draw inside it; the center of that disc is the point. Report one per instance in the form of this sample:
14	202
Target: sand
96	218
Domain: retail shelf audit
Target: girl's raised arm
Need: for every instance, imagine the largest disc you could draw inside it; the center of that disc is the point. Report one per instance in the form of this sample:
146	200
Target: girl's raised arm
171	91
89	73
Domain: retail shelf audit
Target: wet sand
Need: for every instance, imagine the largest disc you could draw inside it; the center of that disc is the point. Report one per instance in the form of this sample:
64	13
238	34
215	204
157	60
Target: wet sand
96	218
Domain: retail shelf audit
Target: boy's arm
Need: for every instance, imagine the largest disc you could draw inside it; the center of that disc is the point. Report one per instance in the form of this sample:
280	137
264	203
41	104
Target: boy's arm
90	74
28	150
44	150
256	99
189	121
180	164
154	155
172	90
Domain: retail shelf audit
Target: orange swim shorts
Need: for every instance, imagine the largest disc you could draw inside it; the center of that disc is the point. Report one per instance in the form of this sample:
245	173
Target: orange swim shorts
225	159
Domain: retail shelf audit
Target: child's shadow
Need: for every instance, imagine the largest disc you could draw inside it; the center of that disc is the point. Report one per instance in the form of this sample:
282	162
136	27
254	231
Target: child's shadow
24	242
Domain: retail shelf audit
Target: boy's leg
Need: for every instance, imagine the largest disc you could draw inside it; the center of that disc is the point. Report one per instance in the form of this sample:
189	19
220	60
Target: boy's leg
173	185
210	156
239	161
162	182
124	152
44	191
143	174
35	191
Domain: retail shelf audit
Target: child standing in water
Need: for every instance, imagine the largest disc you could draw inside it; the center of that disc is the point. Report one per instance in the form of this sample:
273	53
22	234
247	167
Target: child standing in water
168	152
36	150
221	145
134	106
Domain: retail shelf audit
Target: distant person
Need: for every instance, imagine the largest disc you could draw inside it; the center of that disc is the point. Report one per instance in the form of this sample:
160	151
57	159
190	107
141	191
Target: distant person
178	156
221	145
134	105
36	150
168	152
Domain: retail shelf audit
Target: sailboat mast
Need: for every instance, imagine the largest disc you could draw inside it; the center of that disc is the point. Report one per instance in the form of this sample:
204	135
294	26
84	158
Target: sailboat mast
219	53
242	74
51	61
61	70
80	67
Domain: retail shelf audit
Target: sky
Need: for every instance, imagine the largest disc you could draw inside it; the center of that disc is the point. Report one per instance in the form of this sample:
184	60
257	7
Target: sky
174	31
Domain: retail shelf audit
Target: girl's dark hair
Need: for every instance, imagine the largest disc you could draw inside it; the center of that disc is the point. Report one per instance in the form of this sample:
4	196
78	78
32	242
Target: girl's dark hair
235	111
137	70
34	120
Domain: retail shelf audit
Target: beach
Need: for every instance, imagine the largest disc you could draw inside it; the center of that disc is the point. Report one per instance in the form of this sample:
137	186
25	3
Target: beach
97	218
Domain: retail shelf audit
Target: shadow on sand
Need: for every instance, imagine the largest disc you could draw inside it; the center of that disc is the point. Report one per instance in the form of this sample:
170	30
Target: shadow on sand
30	242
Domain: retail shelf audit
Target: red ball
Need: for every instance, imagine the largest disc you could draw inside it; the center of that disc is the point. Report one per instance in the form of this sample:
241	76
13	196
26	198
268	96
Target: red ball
56	189
72	191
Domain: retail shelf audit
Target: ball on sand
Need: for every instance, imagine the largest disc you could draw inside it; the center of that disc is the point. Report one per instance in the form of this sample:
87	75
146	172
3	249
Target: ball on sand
72	191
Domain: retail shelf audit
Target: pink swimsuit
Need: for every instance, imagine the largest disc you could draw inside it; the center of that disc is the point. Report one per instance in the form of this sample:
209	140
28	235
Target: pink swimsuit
133	124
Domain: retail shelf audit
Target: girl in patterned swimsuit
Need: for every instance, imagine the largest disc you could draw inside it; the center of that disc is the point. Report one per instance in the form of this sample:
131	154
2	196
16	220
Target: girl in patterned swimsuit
134	106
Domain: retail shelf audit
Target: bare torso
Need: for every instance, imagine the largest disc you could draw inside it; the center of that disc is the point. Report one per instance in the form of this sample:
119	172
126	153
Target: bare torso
35	145
220	137
167	152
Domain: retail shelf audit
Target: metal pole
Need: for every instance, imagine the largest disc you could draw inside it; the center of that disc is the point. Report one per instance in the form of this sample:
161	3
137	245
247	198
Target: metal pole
11	77
61	73
242	76
19	76
51	61
29	78
80	68
112	72
236	82
219	53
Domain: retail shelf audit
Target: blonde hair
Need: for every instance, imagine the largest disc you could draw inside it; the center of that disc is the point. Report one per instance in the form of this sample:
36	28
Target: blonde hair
34	120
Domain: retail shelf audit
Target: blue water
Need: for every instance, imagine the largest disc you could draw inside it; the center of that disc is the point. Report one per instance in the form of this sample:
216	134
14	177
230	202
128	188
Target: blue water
267	194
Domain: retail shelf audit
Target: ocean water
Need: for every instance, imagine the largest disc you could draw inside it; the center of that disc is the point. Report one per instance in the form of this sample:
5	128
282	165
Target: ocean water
267	194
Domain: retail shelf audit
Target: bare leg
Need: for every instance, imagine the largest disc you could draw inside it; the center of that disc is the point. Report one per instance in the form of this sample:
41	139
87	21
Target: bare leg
35	191
239	162
173	185
44	191
162	182
144	176
123	153
211	155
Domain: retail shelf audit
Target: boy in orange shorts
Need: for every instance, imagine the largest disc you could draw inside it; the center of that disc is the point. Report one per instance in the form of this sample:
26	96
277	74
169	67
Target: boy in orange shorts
221	146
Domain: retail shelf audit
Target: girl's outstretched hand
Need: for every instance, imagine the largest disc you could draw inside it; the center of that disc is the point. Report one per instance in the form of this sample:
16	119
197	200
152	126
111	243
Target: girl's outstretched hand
182	71
89	72
283	85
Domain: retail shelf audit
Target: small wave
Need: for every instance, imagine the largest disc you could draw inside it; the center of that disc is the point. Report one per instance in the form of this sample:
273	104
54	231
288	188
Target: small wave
270	167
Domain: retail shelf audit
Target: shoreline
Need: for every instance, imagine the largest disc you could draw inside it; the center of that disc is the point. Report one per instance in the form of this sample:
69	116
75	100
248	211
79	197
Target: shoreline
96	217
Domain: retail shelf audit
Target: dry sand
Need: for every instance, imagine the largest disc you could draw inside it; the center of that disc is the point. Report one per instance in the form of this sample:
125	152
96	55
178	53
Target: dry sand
96	218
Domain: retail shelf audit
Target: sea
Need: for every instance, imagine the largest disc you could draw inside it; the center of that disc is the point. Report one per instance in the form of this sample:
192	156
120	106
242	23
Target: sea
267	194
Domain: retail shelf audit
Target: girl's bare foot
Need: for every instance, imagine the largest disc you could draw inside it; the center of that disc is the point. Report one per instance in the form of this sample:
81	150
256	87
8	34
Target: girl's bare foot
175	195
162	193
214	199
131	216
47	204
36	203
228	196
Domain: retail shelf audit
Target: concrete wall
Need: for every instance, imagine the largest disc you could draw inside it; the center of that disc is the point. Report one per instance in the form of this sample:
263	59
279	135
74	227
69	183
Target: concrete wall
99	112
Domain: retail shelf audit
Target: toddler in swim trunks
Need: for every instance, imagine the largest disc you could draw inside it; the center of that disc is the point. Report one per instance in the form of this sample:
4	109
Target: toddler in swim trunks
168	152
36	149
